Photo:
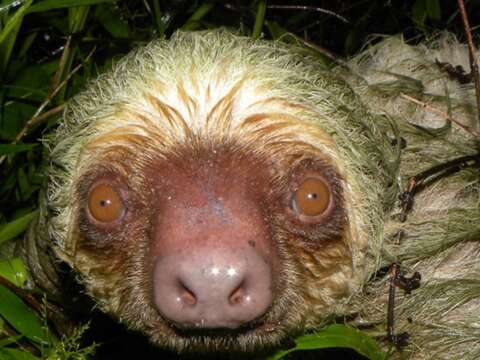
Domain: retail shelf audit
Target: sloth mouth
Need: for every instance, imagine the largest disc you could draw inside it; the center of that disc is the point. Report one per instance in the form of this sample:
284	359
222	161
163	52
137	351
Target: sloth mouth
198	330
262	334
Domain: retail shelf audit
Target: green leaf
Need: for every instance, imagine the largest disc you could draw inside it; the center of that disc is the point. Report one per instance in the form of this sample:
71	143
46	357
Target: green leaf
23	183
7	149
13	270
111	19
21	317
30	82
59	4
433	9
197	16
276	31
9	340
15	354
158	19
259	19
24	186
14	116
16	227
77	18
8	35
8	183
419	13
336	336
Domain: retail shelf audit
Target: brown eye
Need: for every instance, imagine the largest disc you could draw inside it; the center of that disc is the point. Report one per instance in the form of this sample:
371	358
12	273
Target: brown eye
312	197
104	204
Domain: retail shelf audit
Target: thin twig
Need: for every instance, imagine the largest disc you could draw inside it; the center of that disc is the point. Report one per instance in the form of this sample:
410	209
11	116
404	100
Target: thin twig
62	63
444	169
443	114
41	118
407	284
38	120
309	8
472	53
34	120
327	53
391	303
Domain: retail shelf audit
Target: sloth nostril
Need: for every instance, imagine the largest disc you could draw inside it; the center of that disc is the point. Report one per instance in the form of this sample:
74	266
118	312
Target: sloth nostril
186	296
239	295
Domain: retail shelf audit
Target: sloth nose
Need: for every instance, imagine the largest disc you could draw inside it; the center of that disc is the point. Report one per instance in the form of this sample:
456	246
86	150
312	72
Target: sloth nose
219	289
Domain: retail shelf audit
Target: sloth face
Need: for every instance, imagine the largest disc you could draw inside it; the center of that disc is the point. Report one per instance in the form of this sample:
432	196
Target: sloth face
205	200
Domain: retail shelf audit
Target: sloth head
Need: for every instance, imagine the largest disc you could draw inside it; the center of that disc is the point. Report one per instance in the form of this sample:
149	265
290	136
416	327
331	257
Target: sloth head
215	192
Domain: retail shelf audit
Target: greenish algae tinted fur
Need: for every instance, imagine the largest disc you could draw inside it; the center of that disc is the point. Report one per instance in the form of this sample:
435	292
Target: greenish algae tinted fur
207	112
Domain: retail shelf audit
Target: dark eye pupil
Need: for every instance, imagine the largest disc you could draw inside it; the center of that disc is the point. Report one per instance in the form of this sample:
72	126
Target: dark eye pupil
105	203
312	196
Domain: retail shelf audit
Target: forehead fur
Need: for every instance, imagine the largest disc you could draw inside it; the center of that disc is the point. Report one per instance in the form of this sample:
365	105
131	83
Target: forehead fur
213	86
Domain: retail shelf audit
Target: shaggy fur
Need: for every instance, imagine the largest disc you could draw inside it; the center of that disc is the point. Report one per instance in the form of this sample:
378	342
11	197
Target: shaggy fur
440	238
210	92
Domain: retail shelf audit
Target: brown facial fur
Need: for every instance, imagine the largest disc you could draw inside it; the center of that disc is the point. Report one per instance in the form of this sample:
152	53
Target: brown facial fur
158	217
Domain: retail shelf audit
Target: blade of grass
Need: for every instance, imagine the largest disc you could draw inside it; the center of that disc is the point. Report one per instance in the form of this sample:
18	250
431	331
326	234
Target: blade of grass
14	354
198	15
60	4
16	227
13	270
9	340
259	19
21	316
7	149
8	35
158	19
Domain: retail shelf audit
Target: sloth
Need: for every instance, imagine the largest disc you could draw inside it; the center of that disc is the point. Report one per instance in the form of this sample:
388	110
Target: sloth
218	193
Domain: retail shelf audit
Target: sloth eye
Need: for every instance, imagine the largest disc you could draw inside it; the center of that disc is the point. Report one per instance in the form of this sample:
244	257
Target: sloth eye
105	204
312	197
